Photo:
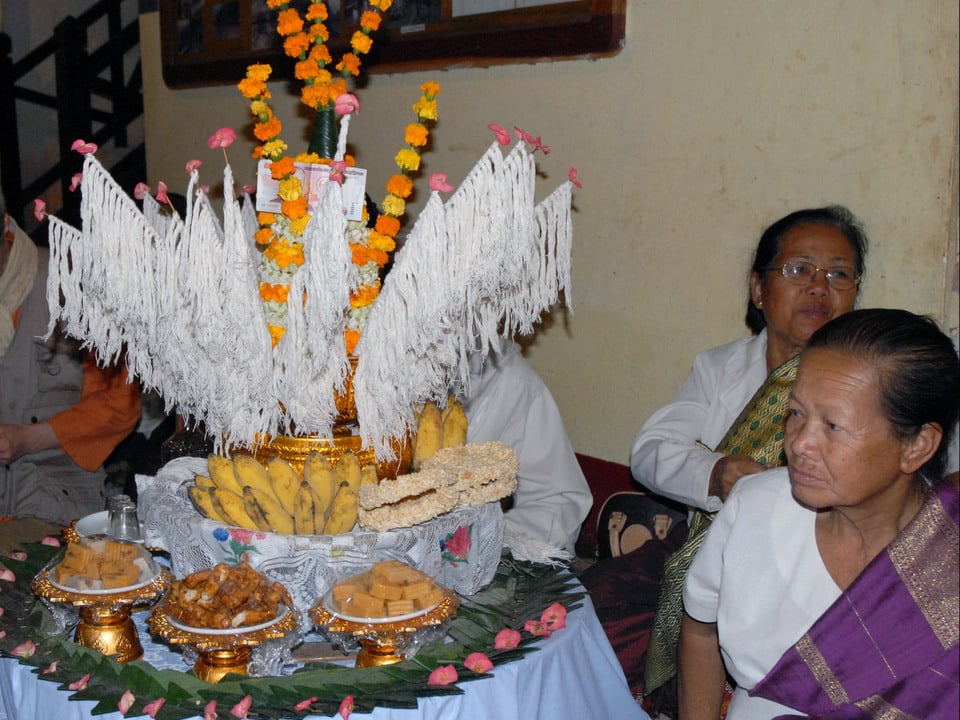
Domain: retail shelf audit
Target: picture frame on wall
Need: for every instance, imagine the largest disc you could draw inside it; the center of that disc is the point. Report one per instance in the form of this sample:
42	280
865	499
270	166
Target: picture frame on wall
211	42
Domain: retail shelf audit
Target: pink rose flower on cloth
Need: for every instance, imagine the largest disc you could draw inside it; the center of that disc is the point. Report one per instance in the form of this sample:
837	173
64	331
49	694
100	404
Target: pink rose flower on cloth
554	617
506	639
478	662
456	546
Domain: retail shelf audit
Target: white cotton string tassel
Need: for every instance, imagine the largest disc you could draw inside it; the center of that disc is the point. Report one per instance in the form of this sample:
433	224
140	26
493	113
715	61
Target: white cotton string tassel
60	281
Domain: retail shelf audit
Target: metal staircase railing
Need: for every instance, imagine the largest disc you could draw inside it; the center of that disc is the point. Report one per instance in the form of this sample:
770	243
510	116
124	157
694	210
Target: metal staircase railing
82	75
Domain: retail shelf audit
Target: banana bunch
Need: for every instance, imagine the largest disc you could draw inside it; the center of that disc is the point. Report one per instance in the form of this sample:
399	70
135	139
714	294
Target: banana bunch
438	429
244	493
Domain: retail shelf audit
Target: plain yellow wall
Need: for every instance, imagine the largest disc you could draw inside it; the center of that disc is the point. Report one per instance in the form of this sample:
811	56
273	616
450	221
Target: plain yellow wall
714	120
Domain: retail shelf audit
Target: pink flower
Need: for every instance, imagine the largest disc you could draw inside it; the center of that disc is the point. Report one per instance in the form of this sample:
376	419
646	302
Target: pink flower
126	702
443	675
51	668
572	174
39	209
84	148
205	189
51	541
554	617
536	627
478	662
222	138
526	137
346	707
141	189
337	168
304	704
17	555
346	104
503	137
162	192
153	708
506	639
75	181
193	165
80	684
210	711
458	544
3	634
438	182
538	144
249	189
7	575
241	709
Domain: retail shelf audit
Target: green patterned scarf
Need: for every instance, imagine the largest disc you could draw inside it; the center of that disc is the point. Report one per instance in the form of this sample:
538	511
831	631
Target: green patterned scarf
758	433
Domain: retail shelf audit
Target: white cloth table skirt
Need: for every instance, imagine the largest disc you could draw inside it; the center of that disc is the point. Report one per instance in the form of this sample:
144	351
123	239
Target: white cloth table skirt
573	674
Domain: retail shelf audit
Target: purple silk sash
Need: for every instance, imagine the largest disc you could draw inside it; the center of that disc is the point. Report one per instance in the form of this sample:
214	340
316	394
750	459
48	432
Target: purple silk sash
888	647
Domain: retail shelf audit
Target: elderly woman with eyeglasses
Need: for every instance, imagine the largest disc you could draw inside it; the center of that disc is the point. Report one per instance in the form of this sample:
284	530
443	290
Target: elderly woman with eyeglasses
725	422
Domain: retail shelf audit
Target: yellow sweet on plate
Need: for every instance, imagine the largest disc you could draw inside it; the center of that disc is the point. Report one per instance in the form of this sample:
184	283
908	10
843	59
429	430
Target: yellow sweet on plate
389	589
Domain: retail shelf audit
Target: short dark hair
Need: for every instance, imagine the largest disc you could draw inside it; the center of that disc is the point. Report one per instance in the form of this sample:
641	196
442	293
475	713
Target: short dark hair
917	365
772	240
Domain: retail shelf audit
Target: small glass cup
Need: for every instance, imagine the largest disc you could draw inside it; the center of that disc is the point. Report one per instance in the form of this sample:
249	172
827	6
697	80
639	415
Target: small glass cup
122	520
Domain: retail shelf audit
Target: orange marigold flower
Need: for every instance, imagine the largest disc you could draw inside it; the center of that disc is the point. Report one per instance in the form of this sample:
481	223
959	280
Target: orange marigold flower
290	188
251	88
382	5
264	236
323	76
258	152
259	71
274	293
360	42
408	160
313	95
276	333
280	169
267	130
416	134
337	88
261	110
400	185
274	4
317	11
274	149
321	53
392	205
387	225
351	161
359	254
370	20
289	22
266	218
381	242
379	257
299	225
306	69
351	338
285	253
349	63
294	209
319	33
364	295
296	45
426	109
306	157
430	89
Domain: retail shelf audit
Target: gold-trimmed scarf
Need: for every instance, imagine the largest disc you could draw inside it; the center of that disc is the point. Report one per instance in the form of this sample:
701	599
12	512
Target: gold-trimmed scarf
757	433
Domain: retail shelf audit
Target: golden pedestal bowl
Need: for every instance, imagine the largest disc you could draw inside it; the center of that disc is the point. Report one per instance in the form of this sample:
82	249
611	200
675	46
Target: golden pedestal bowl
105	624
383	641
221	652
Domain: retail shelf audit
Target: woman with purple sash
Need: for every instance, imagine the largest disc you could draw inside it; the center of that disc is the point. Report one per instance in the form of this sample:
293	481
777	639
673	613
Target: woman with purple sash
831	588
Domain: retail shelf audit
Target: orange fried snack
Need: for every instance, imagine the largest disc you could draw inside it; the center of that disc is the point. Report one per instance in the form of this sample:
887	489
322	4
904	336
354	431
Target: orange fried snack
226	596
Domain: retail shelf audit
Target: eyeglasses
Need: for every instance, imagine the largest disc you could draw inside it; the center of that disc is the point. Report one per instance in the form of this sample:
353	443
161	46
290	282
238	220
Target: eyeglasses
804	273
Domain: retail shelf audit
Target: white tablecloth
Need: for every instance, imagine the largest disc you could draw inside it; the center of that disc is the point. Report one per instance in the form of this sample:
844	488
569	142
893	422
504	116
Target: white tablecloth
574	675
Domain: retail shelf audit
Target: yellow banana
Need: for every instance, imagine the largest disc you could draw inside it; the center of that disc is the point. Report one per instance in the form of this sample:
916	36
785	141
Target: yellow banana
221	472
347	470
230	505
454	424
202	481
429	437
201	497
304	511
284	481
250	472
343	512
318	473
266	504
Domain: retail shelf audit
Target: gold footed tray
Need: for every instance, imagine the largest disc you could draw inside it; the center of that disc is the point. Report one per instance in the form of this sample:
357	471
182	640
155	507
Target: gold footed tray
221	652
105	624
383	641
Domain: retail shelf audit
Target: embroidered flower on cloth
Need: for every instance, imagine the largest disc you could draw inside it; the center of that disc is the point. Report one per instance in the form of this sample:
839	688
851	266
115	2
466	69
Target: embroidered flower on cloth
237	543
455	547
